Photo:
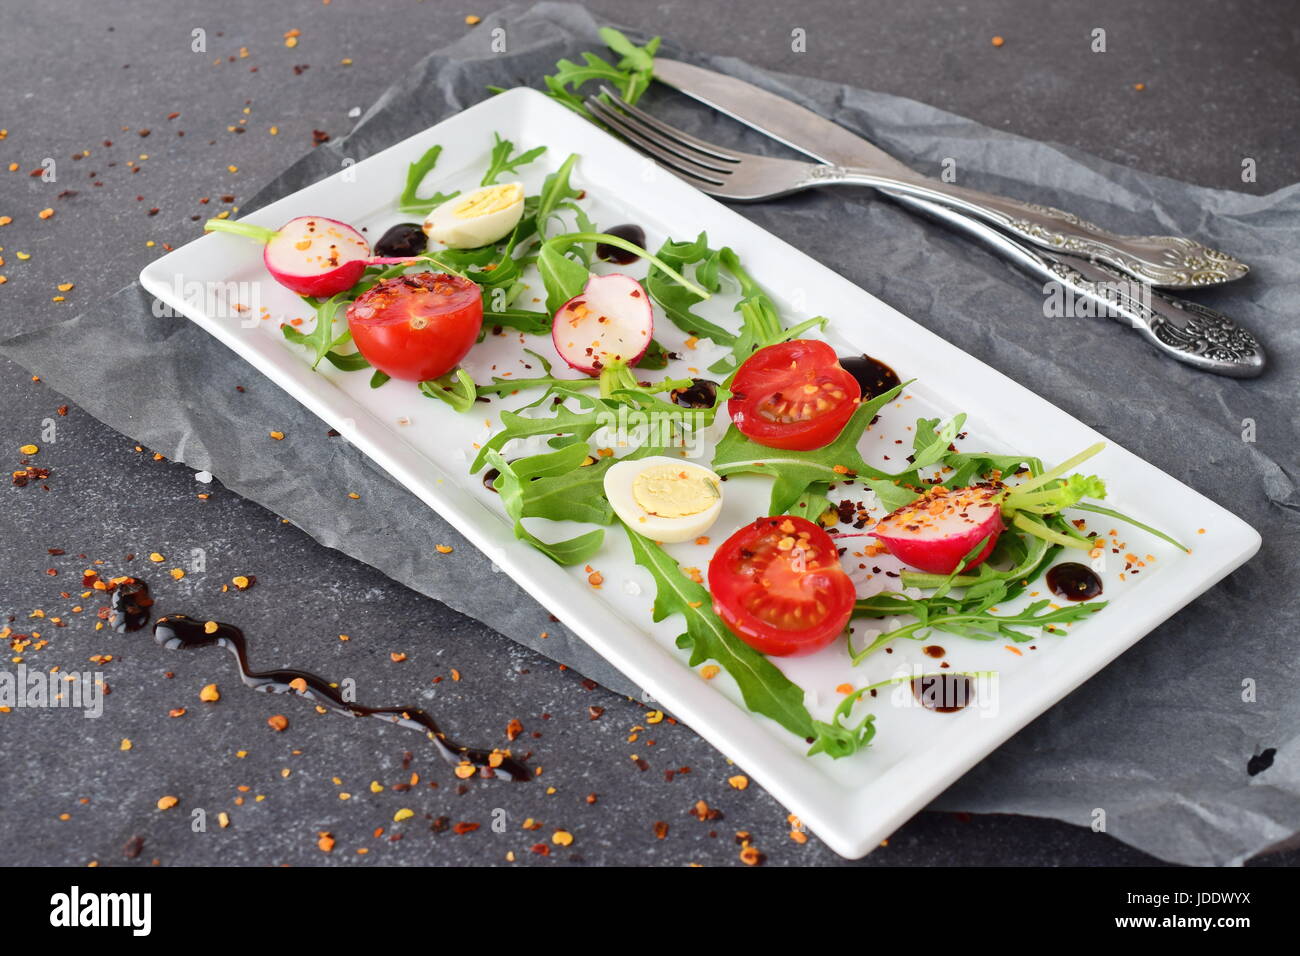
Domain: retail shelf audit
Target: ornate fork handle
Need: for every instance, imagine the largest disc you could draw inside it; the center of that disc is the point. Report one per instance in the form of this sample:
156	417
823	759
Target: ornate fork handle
1169	262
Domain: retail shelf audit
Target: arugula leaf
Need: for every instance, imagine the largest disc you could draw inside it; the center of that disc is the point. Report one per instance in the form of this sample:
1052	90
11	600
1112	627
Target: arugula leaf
409	201
502	160
676	300
379	378
794	471
1111	513
512	480
631	76
949	615
567	425
351	362
764	688
320	341
892	493
456	388
563	277
523	320
555	191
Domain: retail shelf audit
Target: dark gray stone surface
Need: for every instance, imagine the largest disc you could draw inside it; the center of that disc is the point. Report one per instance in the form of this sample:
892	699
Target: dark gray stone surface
1218	83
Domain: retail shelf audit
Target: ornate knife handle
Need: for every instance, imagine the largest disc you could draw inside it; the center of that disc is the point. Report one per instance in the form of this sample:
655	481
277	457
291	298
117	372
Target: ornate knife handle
1167	262
1185	331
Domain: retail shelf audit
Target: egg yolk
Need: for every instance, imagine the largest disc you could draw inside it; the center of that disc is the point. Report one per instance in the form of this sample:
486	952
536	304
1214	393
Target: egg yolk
674	491
487	201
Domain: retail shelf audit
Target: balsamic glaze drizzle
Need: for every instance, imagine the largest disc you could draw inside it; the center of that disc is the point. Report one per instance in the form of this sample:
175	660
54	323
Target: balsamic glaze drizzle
177	631
701	393
1074	581
873	375
404	239
629	231
130	606
945	693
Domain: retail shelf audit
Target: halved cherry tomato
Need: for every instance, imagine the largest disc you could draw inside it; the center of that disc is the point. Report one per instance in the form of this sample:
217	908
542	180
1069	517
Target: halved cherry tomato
417	327
778	585
793	395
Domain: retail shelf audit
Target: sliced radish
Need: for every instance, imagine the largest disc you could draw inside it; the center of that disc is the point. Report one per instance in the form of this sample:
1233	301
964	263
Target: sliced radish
608	325
941	527
310	255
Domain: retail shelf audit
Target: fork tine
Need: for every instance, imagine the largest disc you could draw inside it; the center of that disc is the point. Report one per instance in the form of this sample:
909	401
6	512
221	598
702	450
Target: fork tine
677	164
630	128
675	136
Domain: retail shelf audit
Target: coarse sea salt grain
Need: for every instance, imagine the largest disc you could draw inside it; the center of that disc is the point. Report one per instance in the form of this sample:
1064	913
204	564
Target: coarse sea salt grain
203	476
631	587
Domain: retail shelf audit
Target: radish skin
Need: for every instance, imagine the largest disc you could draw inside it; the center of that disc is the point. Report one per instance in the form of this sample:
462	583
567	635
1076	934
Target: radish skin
311	255
935	532
608	325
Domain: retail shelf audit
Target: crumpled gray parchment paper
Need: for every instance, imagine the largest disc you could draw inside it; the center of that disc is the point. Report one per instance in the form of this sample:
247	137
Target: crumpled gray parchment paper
1161	739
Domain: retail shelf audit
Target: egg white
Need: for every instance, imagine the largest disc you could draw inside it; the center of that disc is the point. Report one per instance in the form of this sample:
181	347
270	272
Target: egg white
450	231
618	482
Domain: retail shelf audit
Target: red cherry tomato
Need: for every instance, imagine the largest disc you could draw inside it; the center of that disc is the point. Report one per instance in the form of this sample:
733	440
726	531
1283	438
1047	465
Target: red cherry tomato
417	327
778	585
793	395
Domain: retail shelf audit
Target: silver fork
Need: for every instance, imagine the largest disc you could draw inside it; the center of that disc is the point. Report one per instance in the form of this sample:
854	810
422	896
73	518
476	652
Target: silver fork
1174	262
1186	331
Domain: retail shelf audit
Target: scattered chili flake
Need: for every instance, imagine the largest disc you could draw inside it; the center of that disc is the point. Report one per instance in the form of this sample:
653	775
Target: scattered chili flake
514	729
740	781
595	579
562	838
660	830
278	722
278	436
29	449
998	41
325	842
176	712
166	803
443	548
46	213
473	20
397	657
210	693
403	814
464	827
750	856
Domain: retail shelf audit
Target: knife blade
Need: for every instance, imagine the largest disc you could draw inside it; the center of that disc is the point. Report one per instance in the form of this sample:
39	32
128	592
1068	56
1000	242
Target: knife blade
787	122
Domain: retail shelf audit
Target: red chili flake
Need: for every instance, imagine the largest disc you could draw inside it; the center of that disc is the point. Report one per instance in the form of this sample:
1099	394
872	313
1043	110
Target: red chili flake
465	827
594	712
541	849
661	830
514	729
319	136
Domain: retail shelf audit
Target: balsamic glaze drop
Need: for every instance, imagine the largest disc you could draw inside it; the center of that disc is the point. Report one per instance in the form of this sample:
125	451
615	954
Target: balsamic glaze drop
873	375
130	606
490	479
176	631
934	650
1074	581
404	239
702	393
945	693
629	231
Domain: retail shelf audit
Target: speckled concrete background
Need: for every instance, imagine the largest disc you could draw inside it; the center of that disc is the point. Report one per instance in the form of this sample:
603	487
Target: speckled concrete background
1217	81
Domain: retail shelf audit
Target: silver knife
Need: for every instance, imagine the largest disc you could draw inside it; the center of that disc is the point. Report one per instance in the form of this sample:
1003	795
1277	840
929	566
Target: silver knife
1187	331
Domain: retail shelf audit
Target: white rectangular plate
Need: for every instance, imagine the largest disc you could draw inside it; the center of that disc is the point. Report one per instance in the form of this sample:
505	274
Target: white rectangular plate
852	803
